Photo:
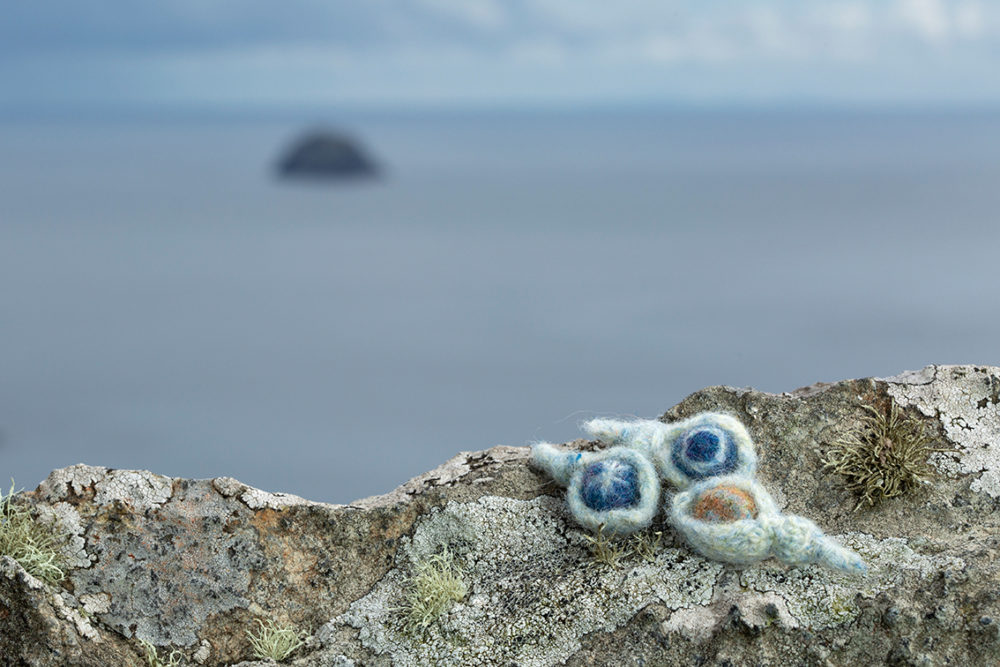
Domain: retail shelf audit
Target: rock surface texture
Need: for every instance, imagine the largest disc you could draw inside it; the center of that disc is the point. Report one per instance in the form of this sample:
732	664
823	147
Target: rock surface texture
190	565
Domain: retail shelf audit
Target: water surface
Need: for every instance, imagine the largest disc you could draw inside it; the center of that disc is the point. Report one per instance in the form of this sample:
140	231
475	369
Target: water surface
166	304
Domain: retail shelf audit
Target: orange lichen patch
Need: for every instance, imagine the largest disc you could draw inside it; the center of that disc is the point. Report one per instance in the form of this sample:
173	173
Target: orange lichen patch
283	546
266	520
392	525
723	504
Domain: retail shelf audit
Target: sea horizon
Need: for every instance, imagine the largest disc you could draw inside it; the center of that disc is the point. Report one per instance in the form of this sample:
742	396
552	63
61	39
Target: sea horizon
169	304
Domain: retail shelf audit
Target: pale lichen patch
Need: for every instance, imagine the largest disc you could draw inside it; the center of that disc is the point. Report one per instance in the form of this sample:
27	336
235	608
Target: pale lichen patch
819	598
256	499
139	489
757	610
96	603
695	623
72	551
966	401
532	595
82	625
74	479
203	653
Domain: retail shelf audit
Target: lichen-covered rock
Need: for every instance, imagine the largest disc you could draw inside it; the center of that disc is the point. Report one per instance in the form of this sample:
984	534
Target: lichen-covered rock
188	565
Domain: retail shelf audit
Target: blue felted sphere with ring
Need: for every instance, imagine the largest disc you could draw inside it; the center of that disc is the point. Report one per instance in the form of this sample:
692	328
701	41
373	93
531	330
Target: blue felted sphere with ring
616	489
705	451
610	484
707	445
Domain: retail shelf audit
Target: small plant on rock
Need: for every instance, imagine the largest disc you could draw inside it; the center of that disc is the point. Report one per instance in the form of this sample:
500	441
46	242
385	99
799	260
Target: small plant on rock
436	585
32	543
646	543
275	642
885	457
605	551
153	658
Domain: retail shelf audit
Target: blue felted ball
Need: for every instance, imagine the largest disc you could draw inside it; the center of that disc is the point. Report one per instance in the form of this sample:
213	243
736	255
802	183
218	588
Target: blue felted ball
705	451
615	490
610	484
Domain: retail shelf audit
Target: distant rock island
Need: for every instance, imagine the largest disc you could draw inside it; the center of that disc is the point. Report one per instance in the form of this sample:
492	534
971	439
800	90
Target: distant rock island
326	155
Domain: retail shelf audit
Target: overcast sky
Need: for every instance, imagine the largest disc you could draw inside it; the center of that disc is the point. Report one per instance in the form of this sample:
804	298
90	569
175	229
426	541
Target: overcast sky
101	54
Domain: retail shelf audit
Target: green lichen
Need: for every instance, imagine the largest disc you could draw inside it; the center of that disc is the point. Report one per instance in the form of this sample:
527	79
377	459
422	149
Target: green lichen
32	543
884	457
437	584
274	641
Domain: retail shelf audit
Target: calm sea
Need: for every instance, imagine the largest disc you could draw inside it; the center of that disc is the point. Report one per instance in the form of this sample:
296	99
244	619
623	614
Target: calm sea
165	303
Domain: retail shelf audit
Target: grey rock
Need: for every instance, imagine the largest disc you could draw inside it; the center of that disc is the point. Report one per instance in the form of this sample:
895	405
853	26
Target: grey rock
326	155
188	565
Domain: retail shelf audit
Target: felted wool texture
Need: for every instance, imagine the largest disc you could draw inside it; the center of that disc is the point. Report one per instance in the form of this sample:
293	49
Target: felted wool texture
707	445
616	488
742	542
643	435
558	463
724	503
794	540
799	541
598	491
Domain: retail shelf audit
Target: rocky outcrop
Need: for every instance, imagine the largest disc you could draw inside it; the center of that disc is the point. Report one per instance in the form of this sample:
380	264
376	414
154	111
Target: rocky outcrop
189	565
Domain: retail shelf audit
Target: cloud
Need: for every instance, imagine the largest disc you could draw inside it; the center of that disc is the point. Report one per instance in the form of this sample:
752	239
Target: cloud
327	51
844	17
939	23
928	18
970	20
481	14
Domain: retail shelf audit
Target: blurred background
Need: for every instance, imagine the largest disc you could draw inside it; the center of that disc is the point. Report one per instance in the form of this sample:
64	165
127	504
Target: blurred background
579	208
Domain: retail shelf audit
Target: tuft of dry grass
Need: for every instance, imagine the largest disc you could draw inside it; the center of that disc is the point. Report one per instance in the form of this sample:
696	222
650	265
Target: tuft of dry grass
646	543
885	457
606	551
611	551
275	642
436	585
32	543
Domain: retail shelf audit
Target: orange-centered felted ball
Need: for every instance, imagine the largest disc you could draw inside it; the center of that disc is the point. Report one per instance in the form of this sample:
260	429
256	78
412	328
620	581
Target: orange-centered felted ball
722	504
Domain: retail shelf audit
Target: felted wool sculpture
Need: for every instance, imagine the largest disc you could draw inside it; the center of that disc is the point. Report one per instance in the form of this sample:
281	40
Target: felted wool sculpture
733	519
616	489
724	503
706	445
722	512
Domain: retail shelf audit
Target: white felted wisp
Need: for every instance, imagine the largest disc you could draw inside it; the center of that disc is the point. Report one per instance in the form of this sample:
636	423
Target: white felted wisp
708	444
643	435
616	489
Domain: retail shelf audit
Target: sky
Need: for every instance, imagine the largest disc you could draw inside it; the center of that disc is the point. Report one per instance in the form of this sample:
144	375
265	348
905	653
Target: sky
261	54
